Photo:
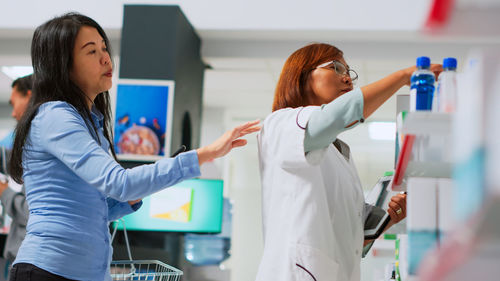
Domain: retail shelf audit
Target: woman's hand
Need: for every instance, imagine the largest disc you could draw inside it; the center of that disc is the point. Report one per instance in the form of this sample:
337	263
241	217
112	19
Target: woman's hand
3	186
436	68
397	208
226	142
376	93
397	212
134	202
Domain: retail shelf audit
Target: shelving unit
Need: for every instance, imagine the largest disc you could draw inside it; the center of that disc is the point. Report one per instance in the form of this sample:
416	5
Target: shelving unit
423	154
427	123
466	230
418	124
429	169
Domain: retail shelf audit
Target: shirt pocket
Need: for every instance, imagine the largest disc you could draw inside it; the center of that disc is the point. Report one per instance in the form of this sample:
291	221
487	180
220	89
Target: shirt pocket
310	264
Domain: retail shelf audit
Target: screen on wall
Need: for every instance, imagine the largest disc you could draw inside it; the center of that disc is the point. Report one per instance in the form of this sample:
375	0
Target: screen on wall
143	118
190	206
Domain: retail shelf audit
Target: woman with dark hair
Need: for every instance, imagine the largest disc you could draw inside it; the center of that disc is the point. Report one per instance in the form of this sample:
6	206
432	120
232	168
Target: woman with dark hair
313	203
74	187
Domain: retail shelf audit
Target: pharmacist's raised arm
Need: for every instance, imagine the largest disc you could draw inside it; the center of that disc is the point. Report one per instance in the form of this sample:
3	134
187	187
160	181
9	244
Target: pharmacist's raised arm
376	93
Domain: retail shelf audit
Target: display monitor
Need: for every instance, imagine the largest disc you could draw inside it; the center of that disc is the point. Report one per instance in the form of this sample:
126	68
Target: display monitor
143	119
193	205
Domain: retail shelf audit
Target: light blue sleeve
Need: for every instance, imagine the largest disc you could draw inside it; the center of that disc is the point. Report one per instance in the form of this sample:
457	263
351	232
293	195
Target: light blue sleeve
326	124
62	132
117	209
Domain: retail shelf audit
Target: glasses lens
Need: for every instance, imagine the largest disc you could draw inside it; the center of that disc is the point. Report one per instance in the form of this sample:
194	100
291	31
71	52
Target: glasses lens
342	70
353	75
339	68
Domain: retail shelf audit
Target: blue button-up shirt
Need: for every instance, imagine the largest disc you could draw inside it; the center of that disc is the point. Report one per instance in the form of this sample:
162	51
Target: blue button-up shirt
75	188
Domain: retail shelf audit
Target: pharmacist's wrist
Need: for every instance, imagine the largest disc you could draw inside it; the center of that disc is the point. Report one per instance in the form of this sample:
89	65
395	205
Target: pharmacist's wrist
405	75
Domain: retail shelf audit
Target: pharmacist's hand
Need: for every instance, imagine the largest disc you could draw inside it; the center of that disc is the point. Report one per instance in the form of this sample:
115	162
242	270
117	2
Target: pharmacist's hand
397	208
227	141
436	68
131	203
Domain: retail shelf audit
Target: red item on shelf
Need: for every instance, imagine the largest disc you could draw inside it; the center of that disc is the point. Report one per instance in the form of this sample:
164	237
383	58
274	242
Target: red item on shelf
439	13
403	159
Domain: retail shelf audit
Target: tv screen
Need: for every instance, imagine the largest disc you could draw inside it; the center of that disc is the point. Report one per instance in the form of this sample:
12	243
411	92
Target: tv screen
190	206
143	118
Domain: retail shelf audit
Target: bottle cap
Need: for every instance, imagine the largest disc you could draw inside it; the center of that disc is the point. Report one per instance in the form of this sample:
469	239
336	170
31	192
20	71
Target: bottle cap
450	63
424	62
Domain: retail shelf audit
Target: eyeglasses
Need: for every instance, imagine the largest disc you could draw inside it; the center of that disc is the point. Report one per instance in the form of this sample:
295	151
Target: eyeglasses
340	69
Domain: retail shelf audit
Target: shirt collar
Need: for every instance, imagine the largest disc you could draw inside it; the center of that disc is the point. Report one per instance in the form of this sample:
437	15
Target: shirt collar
97	115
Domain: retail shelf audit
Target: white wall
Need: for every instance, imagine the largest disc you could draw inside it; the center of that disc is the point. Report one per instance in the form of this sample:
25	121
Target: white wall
230	14
240	172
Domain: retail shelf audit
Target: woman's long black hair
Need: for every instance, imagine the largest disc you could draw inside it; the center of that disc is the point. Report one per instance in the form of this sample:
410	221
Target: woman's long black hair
52	58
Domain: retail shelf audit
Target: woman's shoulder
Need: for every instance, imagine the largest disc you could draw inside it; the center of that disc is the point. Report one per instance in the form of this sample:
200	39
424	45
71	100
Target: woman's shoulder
56	107
296	115
56	111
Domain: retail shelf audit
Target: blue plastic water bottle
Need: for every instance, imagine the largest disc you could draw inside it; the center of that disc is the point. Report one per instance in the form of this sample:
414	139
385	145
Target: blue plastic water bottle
422	86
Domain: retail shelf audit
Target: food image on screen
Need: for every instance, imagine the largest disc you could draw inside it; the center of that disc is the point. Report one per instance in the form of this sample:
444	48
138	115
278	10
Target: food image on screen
139	140
174	203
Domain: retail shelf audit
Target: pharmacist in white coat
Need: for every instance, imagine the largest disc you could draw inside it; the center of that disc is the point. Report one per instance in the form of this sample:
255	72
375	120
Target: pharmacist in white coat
313	203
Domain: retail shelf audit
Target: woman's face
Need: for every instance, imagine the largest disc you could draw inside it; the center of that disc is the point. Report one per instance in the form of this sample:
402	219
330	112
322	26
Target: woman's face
325	83
92	69
19	102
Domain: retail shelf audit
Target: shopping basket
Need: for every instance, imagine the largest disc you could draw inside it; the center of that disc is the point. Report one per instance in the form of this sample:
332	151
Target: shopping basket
141	269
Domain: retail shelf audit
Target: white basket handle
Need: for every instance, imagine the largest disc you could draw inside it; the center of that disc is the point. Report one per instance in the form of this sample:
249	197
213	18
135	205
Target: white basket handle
126	237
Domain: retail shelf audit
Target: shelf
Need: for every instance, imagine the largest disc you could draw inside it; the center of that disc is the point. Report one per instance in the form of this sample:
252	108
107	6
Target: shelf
427	123
417	124
383	248
402	164
411	278
423	169
428	169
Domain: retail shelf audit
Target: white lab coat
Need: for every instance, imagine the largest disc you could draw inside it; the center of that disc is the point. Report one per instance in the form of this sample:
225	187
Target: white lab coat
313	206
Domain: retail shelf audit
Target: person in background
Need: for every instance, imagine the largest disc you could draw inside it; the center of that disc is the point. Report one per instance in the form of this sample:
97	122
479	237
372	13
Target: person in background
313	203
64	155
13	196
19	98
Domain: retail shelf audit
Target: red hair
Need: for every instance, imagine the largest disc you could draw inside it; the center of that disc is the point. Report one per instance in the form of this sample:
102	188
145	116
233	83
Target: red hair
290	88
